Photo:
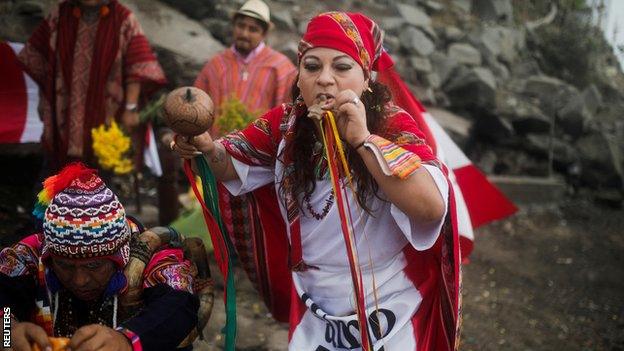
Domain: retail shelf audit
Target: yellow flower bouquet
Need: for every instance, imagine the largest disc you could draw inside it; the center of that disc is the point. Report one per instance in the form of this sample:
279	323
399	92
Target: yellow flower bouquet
110	146
234	116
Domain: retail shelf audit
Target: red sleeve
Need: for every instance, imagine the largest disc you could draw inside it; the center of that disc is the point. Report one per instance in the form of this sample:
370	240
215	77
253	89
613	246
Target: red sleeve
257	143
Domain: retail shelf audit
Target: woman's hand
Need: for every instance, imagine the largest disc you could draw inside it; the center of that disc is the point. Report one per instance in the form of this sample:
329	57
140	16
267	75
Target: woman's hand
98	337
351	119
190	147
25	334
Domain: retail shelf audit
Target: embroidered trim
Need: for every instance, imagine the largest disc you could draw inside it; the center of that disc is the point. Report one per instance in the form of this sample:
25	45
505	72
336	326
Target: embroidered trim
393	159
352	33
135	341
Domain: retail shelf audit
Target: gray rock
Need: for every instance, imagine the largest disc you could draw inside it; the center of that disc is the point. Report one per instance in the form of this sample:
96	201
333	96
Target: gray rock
539	144
426	95
580	110
595	148
282	19
464	5
464	54
525	68
552	93
501	42
501	72
413	15
525	117
443	65
453	34
493	128
195	9
302	27
170	29
420	64
494	10
535	123
592	98
30	8
433	6
452	122
541	86
574	117
220	30
290	49
392	44
19	19
602	160
416	42
179	70
442	99
472	88
404	69
392	24
432	80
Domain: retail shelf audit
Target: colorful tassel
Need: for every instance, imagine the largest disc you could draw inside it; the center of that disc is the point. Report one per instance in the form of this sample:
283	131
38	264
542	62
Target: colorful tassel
56	183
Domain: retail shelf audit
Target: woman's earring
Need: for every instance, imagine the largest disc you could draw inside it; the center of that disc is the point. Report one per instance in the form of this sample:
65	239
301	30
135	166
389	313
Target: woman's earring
299	100
368	88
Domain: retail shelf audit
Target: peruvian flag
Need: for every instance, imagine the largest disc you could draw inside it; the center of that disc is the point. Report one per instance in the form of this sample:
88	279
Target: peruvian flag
19	98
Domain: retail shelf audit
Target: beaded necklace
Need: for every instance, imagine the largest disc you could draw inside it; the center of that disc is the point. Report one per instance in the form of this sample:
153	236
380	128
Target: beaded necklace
328	203
71	313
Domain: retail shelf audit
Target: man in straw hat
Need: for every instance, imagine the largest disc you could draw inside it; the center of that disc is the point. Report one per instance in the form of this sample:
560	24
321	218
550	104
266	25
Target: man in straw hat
74	279
249	70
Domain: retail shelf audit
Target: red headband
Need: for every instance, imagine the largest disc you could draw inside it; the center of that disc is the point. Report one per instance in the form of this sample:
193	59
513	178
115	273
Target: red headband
352	33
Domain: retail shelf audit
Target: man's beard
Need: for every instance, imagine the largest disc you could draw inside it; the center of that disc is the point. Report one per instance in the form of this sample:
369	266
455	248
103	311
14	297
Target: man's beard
244	49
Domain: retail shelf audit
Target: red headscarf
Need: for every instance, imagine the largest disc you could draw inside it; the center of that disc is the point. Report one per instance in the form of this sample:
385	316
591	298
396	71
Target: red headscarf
352	33
361	38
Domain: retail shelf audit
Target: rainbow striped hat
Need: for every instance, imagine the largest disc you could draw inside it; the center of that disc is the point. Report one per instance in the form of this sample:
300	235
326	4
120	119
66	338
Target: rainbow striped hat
82	217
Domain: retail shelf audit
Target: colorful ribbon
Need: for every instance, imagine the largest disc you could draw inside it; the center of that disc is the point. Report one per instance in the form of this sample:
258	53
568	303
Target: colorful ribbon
223	247
333	145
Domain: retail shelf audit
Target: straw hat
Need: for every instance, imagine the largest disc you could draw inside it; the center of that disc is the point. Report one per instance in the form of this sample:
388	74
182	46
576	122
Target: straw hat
257	9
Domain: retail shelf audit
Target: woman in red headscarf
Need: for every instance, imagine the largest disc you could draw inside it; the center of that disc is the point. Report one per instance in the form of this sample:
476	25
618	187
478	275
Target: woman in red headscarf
405	246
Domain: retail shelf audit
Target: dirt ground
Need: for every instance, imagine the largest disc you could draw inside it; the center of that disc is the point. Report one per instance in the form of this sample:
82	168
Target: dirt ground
548	278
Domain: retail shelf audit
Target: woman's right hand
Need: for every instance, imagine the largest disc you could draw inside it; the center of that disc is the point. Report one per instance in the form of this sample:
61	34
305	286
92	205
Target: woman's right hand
190	147
25	334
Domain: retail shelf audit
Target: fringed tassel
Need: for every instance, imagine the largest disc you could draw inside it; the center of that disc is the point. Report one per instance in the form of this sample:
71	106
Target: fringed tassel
56	183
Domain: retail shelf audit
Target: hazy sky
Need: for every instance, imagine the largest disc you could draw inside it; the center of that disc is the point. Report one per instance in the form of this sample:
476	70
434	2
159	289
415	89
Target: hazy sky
614	21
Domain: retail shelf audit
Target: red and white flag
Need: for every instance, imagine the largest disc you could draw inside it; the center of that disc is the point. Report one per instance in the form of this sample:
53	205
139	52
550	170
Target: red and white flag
19	98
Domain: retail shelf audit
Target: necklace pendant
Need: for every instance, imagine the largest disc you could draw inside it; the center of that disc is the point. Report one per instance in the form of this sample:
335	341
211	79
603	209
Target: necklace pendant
245	76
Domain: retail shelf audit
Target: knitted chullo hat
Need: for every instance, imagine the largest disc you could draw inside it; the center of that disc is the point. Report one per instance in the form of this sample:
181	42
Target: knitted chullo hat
83	217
